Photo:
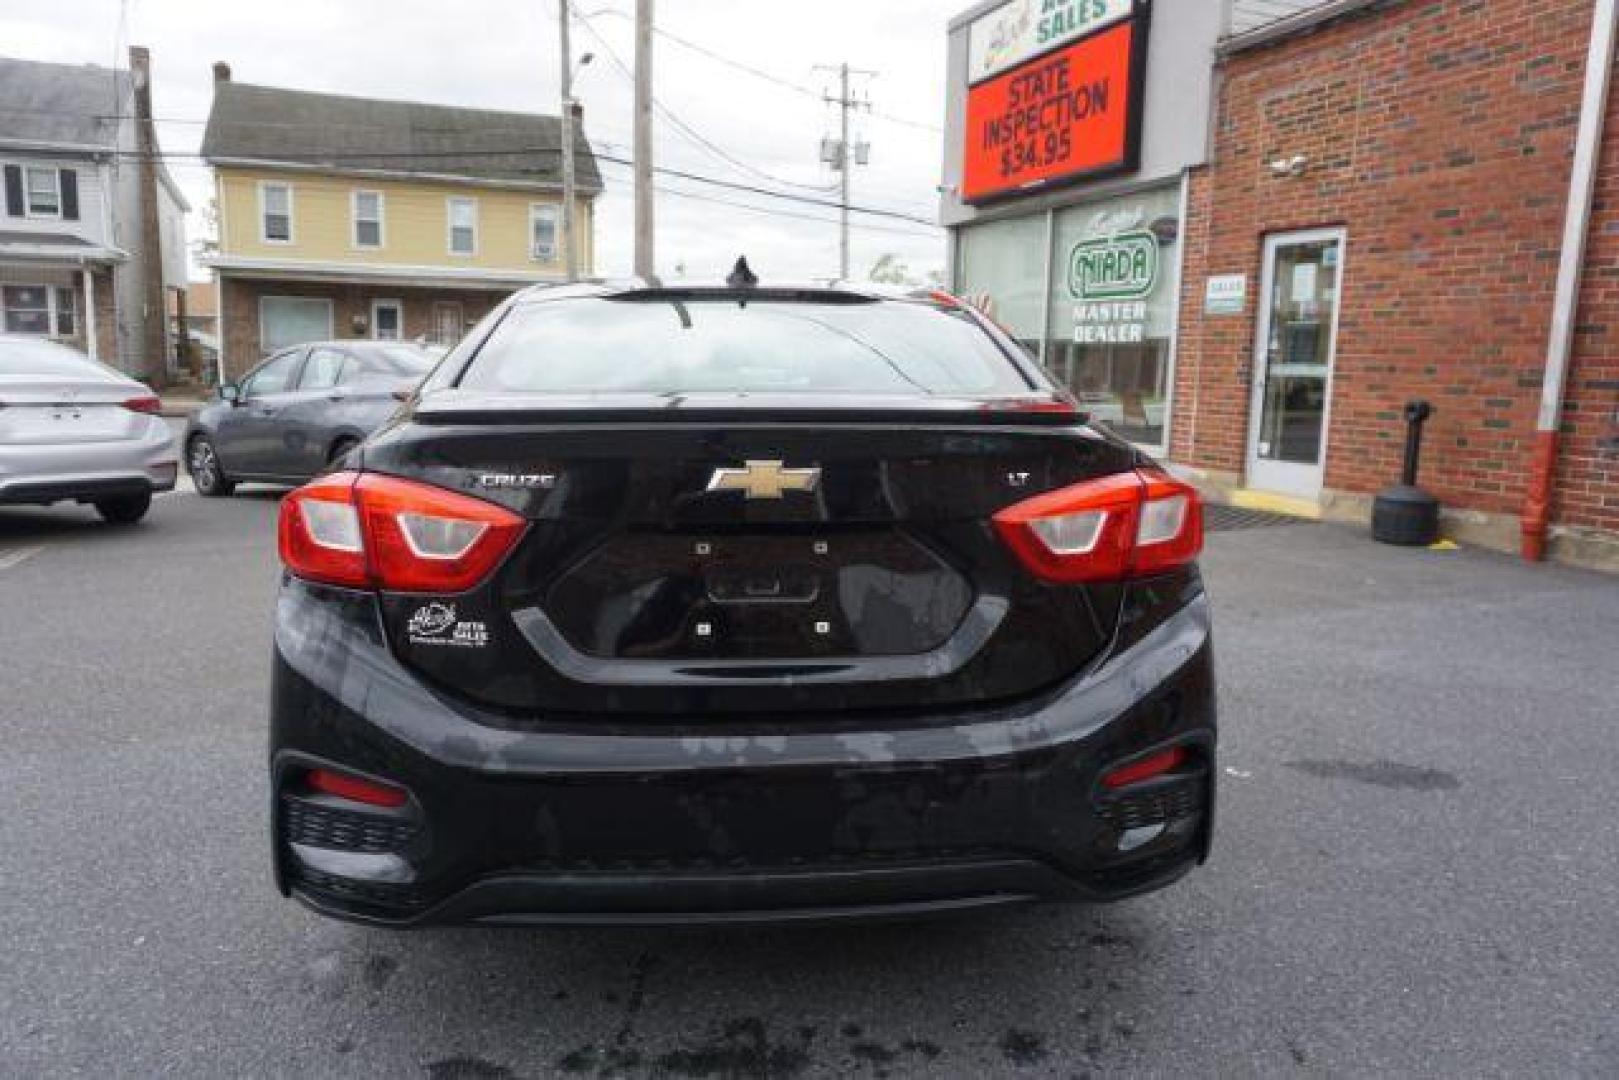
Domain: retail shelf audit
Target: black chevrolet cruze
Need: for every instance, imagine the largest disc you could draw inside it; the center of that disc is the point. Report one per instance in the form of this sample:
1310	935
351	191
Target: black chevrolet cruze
685	604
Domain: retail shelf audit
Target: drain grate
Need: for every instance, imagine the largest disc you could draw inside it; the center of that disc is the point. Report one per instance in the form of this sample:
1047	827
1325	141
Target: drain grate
1218	518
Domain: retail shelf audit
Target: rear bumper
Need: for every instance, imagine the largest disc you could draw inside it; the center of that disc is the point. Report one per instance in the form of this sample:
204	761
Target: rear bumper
85	472
527	824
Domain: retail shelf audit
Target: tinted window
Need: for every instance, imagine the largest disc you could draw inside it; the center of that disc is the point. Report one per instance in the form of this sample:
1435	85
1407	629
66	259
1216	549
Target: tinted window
48	358
323	371
715	345
273	377
389	361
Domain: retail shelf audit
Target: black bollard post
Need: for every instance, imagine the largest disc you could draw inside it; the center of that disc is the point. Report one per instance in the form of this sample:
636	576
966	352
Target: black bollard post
1405	514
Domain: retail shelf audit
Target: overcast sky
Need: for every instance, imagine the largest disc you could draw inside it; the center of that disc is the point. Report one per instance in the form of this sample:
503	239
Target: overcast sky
503	54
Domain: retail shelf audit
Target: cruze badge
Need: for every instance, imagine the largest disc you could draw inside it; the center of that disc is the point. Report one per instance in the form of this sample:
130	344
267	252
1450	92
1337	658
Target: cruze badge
516	480
764	480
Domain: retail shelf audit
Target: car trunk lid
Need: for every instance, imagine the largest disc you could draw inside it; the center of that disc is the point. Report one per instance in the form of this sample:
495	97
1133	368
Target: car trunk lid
721	557
60	409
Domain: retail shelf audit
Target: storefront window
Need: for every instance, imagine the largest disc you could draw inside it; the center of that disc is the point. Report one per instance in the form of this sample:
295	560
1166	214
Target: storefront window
1003	271
1113	283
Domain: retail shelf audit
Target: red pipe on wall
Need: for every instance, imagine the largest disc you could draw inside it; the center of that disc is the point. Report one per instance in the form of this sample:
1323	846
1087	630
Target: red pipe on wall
1537	504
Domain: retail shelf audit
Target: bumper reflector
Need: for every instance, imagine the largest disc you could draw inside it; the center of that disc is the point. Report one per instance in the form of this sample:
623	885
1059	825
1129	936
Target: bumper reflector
354	789
1146	768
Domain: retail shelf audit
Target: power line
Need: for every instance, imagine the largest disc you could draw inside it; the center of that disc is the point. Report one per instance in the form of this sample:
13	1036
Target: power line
358	159
748	69
830	203
694	196
692	134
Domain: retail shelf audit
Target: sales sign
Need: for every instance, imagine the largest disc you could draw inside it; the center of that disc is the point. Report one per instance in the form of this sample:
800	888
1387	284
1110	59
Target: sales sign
1021	29
1069	113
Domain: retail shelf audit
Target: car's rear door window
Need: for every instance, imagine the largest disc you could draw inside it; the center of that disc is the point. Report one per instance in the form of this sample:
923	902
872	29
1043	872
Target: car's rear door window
323	370
674	346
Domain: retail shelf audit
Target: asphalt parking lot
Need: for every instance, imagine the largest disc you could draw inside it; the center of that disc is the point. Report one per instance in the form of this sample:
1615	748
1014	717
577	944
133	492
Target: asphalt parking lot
1416	870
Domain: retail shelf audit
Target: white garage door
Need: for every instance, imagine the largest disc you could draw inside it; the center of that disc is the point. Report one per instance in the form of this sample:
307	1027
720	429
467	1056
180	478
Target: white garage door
293	320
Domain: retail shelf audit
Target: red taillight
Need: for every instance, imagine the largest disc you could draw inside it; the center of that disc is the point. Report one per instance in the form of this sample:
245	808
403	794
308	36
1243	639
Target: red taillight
149	405
345	786
372	531
320	532
1127	525
1146	768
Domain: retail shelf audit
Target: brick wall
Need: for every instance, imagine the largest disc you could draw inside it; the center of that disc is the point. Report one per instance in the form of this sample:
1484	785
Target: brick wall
1440	134
106	317
239	311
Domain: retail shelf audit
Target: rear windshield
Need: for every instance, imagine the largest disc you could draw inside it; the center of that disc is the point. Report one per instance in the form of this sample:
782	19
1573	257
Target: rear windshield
605	346
403	359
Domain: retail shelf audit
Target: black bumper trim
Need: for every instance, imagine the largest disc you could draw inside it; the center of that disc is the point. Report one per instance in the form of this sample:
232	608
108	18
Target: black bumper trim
44	493
812	896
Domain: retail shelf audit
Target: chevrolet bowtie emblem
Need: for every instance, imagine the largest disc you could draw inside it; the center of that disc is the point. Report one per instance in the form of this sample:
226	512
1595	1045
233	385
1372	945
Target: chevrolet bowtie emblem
764	479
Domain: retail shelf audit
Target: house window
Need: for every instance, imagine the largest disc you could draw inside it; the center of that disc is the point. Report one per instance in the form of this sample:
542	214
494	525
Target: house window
543	228
368	219
463	226
27	309
44	193
67	321
387	320
275	205
293	320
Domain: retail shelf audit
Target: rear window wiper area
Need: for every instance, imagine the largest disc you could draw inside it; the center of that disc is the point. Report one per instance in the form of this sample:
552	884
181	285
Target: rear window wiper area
750	294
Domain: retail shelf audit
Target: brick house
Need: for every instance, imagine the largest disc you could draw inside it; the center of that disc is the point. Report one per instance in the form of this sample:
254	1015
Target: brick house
346	217
92	227
1362	204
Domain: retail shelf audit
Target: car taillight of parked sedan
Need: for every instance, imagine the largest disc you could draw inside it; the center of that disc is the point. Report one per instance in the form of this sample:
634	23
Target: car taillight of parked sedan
372	531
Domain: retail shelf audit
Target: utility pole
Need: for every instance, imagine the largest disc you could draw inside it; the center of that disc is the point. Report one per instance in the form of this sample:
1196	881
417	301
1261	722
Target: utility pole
570	253
841	155
152	363
645	261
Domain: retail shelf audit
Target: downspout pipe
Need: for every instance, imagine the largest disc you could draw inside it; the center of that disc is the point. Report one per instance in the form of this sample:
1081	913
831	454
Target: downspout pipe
1537	504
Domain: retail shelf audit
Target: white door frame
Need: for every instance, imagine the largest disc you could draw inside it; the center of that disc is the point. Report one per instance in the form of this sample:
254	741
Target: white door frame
399	324
1286	477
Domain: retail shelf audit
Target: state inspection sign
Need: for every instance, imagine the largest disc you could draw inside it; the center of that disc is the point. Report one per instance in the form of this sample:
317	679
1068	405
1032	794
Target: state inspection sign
1069	113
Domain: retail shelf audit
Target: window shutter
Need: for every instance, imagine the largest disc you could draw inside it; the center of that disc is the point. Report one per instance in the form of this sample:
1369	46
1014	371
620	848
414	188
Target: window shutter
70	194
14	190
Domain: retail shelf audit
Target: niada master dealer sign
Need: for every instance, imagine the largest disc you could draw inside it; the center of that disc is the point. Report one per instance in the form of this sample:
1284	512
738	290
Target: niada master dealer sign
1111	278
1054	94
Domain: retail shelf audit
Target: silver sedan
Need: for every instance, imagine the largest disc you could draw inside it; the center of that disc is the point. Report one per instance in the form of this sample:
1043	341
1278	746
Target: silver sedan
74	429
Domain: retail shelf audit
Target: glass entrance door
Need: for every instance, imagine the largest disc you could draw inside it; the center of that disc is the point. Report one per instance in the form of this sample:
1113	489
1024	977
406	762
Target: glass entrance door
1298	330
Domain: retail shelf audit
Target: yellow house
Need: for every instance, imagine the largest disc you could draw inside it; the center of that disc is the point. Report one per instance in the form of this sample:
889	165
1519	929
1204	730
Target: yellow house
344	217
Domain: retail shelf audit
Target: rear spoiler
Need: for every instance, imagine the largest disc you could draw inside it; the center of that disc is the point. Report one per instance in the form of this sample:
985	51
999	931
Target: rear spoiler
459	407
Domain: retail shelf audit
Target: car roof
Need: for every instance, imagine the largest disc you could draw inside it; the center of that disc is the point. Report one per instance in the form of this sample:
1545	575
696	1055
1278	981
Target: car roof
803	290
352	343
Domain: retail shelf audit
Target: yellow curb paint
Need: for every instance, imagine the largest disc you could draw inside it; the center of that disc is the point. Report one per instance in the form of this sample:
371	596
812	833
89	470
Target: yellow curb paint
1248	499
1444	545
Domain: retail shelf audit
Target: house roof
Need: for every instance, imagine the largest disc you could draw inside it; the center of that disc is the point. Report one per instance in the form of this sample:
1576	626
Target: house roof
49	246
346	134
1256	23
61	104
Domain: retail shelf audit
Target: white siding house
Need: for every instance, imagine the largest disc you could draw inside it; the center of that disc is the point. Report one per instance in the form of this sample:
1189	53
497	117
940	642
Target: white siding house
76	264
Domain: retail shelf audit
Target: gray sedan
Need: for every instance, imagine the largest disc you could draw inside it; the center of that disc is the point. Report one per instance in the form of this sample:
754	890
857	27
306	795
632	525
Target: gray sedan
299	411
72	429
